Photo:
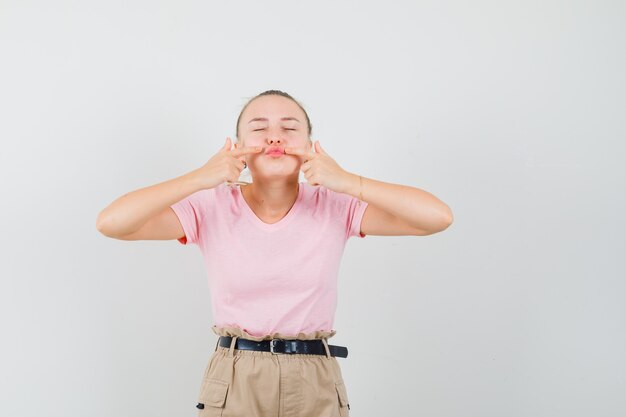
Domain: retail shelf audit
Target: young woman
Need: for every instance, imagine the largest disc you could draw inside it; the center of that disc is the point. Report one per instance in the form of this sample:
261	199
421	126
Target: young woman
272	250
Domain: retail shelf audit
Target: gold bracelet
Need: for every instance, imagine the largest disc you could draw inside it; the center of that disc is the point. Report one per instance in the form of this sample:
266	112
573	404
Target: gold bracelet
360	188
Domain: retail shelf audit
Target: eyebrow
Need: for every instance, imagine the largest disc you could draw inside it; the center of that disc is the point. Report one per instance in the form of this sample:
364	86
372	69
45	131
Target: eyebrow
264	119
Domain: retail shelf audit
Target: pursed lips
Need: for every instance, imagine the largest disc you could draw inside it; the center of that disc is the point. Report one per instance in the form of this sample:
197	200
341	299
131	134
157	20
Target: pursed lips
275	151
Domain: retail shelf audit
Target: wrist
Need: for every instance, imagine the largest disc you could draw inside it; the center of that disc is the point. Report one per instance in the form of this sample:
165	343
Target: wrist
196	180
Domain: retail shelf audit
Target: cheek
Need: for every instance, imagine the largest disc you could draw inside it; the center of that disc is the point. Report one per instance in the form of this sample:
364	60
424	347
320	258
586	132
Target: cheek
254	140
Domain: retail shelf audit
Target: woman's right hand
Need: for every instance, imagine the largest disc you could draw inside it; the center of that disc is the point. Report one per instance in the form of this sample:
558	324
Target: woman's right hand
225	165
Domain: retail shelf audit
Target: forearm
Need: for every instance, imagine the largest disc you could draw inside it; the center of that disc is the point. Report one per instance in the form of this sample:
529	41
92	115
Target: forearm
416	207
129	212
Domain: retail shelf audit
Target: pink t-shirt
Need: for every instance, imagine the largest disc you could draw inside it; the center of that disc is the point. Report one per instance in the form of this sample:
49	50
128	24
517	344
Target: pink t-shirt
268	278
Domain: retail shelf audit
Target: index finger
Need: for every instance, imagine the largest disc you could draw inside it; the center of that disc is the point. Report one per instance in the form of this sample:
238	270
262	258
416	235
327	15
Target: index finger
245	150
300	151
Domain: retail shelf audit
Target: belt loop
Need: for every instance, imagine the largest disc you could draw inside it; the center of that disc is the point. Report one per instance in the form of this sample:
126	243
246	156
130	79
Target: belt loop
325	342
217	343
231	350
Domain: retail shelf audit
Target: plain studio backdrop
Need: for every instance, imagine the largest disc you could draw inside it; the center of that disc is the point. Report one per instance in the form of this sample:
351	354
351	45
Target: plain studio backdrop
512	113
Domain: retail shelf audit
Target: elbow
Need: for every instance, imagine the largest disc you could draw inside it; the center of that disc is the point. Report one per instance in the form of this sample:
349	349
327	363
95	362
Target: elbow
447	219
436	227
439	224
102	225
110	227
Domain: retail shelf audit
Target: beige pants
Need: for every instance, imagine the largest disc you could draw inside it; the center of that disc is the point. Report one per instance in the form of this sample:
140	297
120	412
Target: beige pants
252	383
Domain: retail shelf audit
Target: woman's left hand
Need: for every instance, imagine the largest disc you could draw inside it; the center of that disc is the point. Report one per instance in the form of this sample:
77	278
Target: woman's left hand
320	169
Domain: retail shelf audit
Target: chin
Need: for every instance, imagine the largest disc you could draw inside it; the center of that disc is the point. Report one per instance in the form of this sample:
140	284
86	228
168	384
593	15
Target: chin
283	168
275	174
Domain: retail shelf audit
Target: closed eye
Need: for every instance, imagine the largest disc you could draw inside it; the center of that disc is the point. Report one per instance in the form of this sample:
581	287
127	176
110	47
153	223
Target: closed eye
264	129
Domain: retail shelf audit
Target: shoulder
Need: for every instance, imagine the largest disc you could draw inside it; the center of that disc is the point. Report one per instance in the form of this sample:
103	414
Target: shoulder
315	194
333	196
319	195
206	198
222	193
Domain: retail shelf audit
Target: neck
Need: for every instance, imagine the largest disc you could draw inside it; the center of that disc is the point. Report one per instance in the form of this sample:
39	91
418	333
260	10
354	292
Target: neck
271	198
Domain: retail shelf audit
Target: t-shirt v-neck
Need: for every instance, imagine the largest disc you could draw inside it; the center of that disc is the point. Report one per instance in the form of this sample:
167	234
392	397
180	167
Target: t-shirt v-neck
276	225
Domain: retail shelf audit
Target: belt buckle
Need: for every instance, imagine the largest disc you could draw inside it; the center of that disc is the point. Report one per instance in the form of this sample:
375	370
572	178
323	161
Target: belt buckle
272	348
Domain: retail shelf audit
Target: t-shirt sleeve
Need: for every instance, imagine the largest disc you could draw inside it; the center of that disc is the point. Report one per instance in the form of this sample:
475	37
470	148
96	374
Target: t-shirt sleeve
191	212
356	209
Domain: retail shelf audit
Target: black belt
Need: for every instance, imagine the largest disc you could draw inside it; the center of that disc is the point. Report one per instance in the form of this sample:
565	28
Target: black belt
289	346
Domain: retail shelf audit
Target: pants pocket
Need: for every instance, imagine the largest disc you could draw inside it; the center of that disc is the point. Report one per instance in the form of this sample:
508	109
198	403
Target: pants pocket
212	397
342	393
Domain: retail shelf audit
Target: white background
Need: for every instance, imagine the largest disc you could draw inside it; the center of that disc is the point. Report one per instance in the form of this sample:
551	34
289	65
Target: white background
512	113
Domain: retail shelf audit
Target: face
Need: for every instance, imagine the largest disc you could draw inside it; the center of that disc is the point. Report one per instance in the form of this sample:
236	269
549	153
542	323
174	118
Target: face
263	124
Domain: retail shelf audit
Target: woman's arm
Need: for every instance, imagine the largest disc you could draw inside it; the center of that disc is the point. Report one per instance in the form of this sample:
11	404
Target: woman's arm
130	212
395	209
126	215
392	209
